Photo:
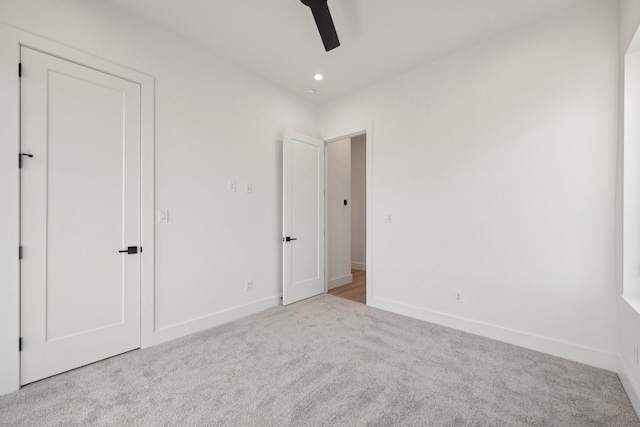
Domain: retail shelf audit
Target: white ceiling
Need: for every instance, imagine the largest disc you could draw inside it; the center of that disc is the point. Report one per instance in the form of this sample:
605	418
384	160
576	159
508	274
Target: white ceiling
278	39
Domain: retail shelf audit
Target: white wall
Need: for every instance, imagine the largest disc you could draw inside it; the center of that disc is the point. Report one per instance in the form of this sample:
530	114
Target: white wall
338	160
359	202
498	166
214	123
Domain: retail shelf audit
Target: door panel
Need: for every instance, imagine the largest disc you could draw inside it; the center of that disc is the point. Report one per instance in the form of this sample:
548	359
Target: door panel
303	217
305	209
80	205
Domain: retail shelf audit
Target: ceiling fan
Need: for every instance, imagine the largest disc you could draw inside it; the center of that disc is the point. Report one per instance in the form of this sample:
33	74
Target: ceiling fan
322	15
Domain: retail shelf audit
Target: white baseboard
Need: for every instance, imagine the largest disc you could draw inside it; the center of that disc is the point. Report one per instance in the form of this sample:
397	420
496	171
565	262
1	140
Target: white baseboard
629	384
215	319
339	281
359	266
566	350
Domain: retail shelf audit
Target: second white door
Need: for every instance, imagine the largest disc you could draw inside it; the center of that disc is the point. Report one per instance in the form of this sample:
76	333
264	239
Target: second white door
303	217
80	206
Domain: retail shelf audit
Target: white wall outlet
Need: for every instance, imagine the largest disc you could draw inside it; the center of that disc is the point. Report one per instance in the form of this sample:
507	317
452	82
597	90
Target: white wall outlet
248	286
248	188
163	216
231	186
457	296
387	218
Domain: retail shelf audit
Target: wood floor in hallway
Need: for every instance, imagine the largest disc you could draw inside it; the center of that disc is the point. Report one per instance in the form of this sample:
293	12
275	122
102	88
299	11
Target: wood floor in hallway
354	291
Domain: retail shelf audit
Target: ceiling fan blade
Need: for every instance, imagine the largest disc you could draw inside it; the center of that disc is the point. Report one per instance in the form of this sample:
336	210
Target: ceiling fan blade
322	15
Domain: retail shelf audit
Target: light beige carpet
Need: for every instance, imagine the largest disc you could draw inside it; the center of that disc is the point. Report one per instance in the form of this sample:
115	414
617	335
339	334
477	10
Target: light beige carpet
325	362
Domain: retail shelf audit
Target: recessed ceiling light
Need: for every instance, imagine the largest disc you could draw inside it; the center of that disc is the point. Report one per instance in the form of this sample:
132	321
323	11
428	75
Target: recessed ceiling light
311	91
318	77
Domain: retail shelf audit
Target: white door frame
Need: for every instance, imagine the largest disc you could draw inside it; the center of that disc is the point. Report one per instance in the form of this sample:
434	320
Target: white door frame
350	133
11	40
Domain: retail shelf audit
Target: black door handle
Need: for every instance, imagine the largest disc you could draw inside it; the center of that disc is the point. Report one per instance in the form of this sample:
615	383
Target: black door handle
130	250
288	239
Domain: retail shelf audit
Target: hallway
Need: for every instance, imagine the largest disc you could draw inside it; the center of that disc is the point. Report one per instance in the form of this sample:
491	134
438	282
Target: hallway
354	291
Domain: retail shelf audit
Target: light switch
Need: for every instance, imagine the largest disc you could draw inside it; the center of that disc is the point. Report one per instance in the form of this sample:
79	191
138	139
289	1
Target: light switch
231	186
163	216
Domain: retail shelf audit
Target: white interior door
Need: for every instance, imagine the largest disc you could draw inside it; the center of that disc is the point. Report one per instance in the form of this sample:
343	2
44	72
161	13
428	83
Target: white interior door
80	205
303	217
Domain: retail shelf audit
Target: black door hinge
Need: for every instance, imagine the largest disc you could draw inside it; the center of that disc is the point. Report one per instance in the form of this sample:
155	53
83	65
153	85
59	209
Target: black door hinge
19	252
20	344
20	69
20	156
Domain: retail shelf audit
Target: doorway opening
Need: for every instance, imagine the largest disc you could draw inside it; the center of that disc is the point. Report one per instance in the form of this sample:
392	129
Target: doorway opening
346	217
